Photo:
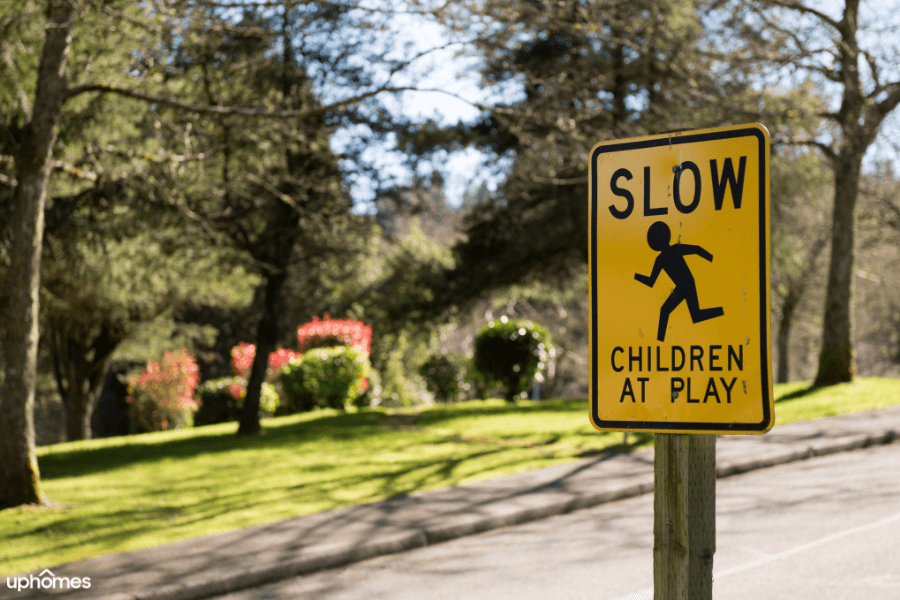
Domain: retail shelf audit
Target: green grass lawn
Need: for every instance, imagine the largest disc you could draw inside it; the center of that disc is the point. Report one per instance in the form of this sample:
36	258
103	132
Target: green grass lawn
126	493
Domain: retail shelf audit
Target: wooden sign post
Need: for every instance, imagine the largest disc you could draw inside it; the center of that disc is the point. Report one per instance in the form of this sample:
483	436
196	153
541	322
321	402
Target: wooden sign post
678	245
684	516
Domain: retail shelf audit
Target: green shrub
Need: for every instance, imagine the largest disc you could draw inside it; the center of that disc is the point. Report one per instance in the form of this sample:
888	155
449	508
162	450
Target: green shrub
443	376
325	377
511	352
222	400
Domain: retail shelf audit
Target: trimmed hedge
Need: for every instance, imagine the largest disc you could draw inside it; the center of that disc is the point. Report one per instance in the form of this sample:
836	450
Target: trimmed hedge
511	352
325	377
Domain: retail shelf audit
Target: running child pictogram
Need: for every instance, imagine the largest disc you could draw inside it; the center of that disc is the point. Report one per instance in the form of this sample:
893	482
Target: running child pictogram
671	260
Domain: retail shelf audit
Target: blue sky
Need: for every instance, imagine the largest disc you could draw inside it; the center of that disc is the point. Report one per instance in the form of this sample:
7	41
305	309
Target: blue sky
443	68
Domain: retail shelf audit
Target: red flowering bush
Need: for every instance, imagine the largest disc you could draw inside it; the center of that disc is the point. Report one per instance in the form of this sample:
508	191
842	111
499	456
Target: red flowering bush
330	379
279	358
242	360
334	332
162	397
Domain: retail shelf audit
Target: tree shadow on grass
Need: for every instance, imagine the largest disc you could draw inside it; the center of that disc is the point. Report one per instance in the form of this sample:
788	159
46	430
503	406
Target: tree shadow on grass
136	449
435	415
797	394
399	483
111	530
393	479
396	478
635	440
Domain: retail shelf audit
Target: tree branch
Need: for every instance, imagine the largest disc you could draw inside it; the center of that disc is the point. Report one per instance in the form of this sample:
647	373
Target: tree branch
237	110
890	103
791	59
19	93
873	67
827	150
894	209
338	5
148	27
794	5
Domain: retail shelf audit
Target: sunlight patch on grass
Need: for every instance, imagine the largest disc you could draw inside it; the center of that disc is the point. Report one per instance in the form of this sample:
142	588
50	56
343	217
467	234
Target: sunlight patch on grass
798	402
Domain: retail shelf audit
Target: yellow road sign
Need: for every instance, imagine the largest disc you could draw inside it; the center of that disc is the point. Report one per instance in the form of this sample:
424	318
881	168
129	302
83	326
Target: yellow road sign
679	256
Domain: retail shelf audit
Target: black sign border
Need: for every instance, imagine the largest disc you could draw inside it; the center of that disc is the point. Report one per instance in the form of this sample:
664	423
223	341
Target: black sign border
669	426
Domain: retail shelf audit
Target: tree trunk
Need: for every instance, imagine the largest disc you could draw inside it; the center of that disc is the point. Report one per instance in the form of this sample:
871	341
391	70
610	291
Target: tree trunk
79	401
279	238
20	477
836	356
788	308
796	288
266	338
79	379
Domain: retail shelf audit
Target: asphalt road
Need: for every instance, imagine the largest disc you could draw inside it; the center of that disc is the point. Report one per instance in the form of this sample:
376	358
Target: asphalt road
825	528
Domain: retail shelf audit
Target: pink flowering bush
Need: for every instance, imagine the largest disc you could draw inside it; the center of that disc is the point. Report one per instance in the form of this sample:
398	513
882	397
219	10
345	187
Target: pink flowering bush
242	360
333	379
279	358
162	397
334	332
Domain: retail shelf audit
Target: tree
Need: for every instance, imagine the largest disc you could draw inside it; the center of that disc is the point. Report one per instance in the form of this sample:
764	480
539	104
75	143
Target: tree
101	286
844	55
30	141
279	206
103	275
28	133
